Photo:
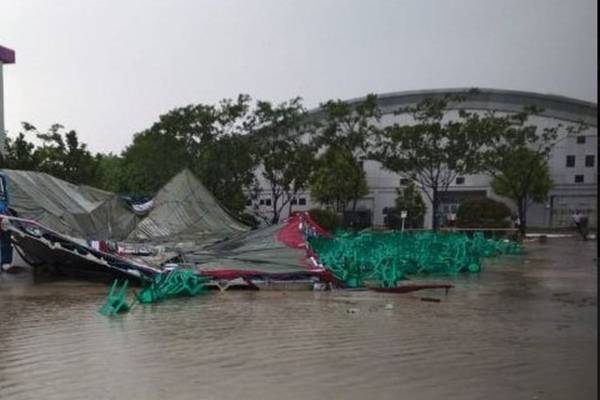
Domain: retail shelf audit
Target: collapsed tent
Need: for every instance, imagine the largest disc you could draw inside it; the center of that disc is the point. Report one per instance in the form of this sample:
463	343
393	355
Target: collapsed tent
186	225
74	210
182	210
185	210
274	251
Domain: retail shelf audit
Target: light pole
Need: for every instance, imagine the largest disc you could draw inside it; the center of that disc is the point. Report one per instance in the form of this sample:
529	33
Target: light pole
403	215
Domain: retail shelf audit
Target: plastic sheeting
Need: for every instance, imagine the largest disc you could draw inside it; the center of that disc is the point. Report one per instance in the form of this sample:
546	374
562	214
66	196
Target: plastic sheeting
275	249
185	210
79	211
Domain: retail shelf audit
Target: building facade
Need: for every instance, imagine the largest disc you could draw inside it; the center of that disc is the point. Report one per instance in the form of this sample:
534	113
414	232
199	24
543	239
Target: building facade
7	56
573	161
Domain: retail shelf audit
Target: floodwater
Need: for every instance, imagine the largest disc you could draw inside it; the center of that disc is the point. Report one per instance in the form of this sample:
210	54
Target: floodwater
524	328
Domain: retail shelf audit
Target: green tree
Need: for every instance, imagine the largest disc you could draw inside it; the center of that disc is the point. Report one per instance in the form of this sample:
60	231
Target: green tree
152	159
344	136
524	178
348	126
18	154
516	158
207	139
285	160
410	200
109	172
338	179
226	167
433	151
60	154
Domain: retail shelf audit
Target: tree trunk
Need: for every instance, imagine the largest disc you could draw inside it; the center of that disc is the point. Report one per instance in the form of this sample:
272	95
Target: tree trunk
435	202
522	217
275	218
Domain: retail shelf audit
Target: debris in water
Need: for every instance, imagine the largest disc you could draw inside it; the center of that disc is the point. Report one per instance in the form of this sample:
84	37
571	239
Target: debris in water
430	299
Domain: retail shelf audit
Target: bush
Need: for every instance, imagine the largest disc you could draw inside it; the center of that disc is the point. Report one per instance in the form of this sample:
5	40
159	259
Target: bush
357	220
393	219
483	213
326	218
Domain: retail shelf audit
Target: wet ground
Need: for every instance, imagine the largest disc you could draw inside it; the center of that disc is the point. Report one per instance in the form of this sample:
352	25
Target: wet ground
524	328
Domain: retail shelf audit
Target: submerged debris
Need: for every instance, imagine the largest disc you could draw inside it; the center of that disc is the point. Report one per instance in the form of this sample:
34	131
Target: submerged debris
171	283
116	301
387	258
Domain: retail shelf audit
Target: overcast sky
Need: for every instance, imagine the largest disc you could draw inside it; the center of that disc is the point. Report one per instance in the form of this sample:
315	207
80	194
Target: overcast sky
109	68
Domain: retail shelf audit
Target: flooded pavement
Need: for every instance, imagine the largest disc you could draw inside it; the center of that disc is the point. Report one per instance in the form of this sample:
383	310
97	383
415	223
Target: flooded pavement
524	328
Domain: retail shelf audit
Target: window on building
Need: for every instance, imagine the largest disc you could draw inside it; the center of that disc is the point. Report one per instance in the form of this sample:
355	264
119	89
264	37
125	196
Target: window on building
261	202
590	160
404	181
267	202
570	161
248	202
460	180
578	178
580	139
302	201
294	201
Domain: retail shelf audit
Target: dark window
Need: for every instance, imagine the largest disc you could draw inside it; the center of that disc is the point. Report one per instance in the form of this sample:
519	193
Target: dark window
578	178
570	161
404	181
580	139
261	202
268	202
294	202
460	180
589	161
302	201
248	202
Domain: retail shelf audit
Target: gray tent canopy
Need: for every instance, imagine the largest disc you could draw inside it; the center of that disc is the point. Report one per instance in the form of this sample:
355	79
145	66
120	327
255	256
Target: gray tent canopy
74	210
185	210
182	210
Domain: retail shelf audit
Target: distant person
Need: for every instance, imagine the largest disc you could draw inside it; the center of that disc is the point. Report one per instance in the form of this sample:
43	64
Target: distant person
581	222
451	219
516	221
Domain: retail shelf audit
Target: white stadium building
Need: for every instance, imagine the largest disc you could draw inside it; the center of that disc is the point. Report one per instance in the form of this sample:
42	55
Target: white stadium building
573	161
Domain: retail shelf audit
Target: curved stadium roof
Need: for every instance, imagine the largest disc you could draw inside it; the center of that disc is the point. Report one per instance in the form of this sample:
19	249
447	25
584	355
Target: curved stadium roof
559	107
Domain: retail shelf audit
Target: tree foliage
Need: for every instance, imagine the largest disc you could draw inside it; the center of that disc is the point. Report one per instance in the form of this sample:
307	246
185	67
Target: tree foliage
410	199
207	139
517	158
483	213
344	138
60	153
285	159
433	150
348	126
338	179
226	168
524	178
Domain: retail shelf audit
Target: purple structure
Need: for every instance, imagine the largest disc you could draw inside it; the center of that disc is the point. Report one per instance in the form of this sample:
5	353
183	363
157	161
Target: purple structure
7	56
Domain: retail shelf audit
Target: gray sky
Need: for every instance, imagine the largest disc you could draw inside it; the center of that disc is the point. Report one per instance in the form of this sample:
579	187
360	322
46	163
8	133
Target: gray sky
109	68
